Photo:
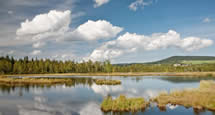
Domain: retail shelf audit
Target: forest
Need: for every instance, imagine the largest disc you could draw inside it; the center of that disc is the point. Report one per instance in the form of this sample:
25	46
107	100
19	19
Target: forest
10	65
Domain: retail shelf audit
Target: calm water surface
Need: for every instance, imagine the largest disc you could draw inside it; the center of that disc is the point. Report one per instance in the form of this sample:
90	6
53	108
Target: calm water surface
84	97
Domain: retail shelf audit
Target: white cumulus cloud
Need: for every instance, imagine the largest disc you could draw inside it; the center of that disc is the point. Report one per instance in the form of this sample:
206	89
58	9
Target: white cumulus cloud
54	26
194	43
99	3
42	24
44	27
94	30
138	3
132	42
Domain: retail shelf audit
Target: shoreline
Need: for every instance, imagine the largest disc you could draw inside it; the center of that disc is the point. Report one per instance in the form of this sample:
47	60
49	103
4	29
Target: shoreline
182	74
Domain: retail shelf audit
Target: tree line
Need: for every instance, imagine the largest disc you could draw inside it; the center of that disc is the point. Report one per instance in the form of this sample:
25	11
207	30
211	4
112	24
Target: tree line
9	65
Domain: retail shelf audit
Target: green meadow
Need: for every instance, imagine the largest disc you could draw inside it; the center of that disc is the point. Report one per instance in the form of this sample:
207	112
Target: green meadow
198	62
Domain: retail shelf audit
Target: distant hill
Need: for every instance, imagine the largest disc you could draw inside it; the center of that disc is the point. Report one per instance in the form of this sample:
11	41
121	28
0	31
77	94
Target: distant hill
179	59
186	59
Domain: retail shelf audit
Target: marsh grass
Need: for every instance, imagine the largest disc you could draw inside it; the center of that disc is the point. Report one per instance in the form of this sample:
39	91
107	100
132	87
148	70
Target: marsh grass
200	98
13	81
7	80
123	104
107	82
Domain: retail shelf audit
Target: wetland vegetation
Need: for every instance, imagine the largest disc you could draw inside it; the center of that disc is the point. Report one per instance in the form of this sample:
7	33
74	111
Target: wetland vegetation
15	81
135	99
199	98
122	104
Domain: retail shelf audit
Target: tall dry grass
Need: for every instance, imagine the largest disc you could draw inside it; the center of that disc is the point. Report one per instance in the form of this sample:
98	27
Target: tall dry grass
199	98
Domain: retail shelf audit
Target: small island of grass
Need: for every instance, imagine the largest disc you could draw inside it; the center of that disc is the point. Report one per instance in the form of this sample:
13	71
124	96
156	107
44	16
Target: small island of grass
200	98
123	104
107	82
27	80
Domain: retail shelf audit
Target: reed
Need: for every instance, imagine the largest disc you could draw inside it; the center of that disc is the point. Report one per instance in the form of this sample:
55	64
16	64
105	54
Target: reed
199	98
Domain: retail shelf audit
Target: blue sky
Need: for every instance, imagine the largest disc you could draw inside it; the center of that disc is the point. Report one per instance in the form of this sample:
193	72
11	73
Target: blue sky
123	31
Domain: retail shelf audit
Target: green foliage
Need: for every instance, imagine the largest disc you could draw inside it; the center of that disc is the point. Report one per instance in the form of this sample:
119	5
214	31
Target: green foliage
34	66
5	65
9	65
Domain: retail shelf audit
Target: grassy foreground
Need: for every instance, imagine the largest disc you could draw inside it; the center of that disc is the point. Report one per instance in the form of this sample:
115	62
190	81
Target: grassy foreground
200	98
123	104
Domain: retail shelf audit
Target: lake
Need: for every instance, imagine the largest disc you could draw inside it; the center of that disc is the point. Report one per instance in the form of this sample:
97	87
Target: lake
84	97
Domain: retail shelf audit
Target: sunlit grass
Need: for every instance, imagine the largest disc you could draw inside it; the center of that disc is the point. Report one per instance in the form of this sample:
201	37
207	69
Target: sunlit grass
200	98
122	104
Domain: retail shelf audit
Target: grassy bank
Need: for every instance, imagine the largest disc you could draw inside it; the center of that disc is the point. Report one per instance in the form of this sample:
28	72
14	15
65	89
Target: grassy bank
123	104
191	74
200	98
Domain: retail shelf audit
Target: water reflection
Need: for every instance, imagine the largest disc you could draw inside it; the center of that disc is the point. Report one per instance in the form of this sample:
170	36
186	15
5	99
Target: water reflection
83	96
172	106
115	91
41	107
10	88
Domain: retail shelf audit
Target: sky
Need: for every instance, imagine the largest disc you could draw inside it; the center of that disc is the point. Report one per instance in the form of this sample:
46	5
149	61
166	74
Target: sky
123	31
